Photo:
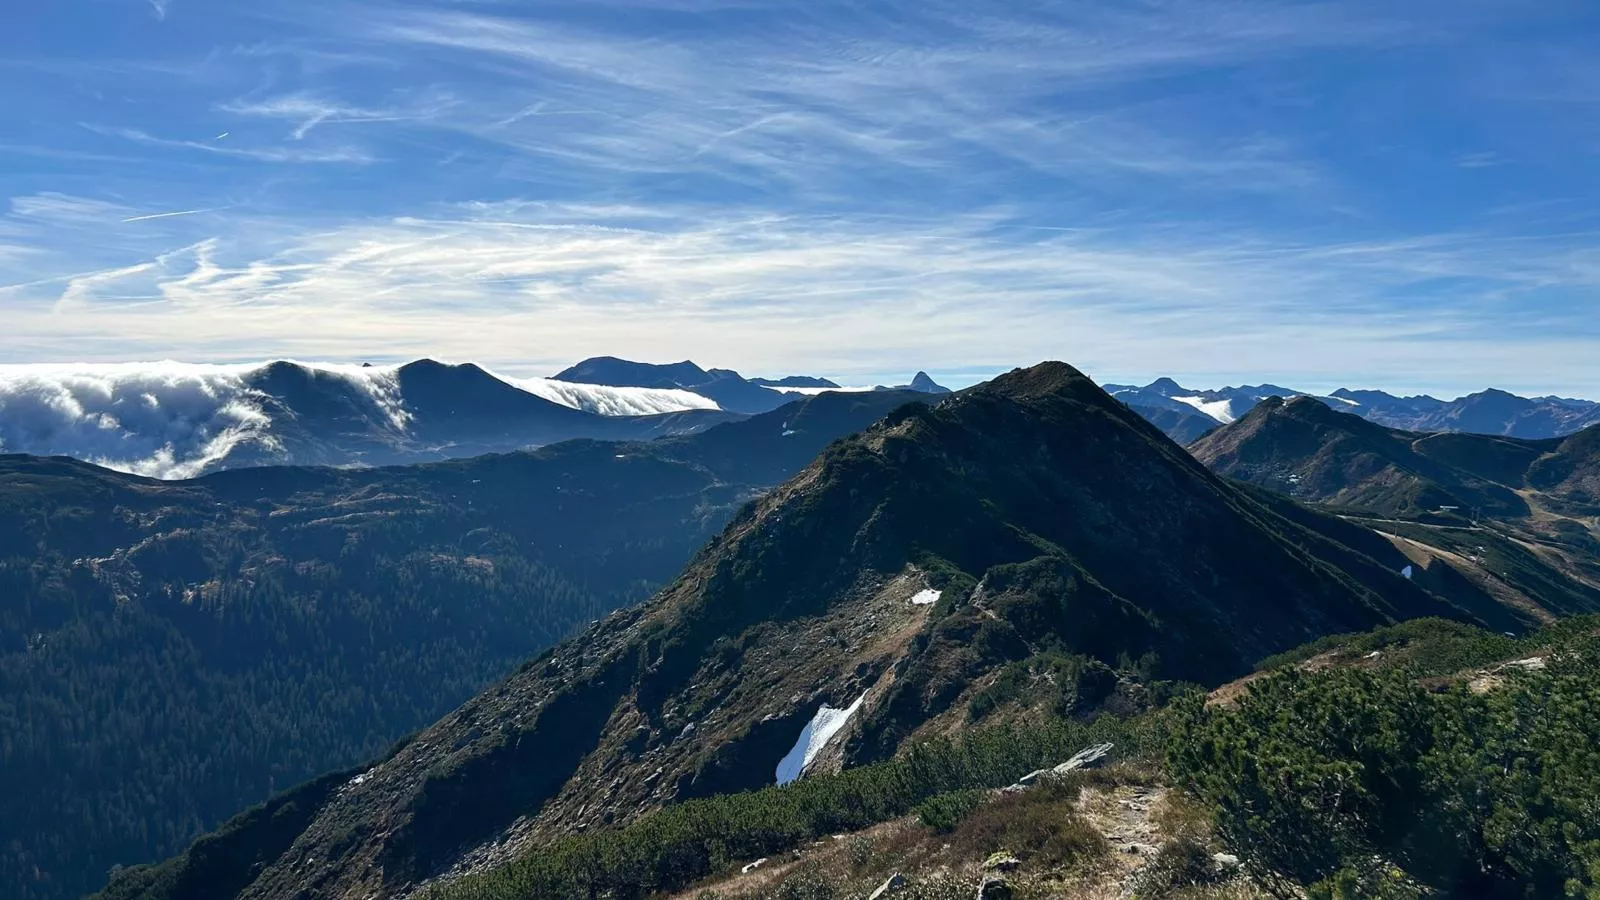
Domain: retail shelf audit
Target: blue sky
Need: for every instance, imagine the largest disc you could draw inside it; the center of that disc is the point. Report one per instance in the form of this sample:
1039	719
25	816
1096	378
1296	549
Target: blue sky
1401	195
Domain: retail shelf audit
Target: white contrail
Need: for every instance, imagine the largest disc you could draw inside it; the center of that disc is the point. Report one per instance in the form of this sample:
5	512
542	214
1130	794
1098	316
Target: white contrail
168	215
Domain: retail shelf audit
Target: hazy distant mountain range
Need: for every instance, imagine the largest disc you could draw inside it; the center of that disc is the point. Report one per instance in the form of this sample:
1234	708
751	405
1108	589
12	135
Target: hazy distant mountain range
1186	413
727	388
171	420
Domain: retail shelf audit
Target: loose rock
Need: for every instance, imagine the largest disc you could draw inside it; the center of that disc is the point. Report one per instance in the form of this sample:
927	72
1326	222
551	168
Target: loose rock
1002	862
1029	779
995	887
1091	758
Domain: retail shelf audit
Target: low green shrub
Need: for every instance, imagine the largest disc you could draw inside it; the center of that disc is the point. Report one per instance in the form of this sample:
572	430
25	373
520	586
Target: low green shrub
944	812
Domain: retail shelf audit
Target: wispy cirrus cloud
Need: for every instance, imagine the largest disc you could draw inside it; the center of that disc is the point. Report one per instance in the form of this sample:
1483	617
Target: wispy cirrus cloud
1263	189
850	296
307	111
56	207
268	154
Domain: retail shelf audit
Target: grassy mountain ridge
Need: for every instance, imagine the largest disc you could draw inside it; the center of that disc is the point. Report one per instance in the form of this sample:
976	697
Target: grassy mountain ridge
1383	764
1310	451
1509	517
1056	523
171	652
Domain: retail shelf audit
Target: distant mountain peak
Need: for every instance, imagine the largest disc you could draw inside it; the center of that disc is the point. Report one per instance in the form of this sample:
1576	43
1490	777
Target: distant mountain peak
728	388
1166	386
794	381
611	370
921	382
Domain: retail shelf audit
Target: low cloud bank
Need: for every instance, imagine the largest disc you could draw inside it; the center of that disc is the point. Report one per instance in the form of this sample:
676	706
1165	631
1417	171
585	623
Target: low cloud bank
177	420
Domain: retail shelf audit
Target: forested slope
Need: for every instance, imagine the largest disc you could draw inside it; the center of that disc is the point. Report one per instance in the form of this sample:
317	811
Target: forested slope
172	652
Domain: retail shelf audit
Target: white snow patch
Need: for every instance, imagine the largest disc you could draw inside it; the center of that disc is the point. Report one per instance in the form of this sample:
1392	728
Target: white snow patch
927	597
1221	410
816	735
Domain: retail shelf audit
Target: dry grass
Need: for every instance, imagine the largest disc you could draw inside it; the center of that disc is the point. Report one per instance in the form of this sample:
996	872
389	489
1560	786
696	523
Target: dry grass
1041	826
1071	835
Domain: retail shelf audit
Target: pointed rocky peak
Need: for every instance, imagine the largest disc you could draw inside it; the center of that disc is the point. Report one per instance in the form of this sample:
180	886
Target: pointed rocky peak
924	384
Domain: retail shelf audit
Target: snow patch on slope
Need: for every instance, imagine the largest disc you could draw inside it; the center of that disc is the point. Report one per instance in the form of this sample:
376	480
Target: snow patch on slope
927	597
815	736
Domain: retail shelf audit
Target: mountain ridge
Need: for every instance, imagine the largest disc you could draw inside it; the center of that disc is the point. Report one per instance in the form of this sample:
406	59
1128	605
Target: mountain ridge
728	388
1490	411
1102	539
1514	516
310	616
179	421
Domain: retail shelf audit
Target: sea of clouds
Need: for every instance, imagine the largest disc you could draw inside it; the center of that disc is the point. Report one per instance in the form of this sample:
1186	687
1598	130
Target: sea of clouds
176	420
612	401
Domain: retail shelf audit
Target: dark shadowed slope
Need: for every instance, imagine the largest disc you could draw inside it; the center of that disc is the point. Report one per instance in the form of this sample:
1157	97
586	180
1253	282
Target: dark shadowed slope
1185	426
1049	518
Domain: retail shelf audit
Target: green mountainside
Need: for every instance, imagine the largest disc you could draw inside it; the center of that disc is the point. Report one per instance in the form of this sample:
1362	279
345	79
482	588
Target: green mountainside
1309	451
1427	759
172	652
1031	541
1519	519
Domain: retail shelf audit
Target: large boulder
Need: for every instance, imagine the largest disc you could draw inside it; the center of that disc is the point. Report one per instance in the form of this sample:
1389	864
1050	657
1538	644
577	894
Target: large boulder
995	887
1090	758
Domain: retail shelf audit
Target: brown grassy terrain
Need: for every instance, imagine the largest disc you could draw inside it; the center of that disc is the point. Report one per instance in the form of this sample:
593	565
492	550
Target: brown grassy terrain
1096	835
